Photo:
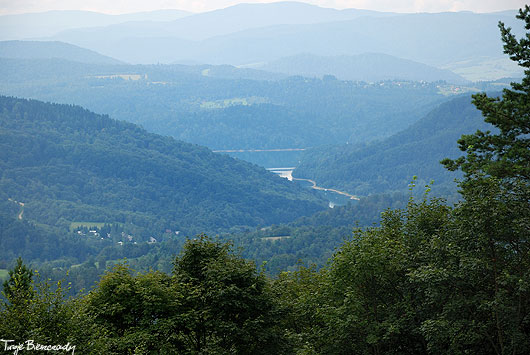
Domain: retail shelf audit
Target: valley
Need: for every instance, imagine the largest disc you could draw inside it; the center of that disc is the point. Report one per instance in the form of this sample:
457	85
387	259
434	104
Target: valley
268	119
265	178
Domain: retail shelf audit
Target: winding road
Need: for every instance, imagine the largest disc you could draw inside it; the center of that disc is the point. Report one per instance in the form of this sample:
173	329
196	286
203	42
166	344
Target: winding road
326	189
21	204
259	150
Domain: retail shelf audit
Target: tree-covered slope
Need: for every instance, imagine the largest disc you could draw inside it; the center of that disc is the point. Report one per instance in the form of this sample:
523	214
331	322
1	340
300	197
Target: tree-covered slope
389	165
67	164
55	49
368	67
194	104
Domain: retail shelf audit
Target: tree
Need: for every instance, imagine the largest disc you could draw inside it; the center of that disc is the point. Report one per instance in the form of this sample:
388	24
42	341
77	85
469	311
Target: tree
214	302
479	292
129	313
378	307
504	154
18	289
227	305
487	277
19	293
34	310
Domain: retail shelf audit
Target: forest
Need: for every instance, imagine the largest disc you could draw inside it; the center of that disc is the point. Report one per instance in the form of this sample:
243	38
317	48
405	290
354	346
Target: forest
104	190
384	166
67	164
229	108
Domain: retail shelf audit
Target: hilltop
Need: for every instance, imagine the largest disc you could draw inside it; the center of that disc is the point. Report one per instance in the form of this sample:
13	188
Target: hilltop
67	164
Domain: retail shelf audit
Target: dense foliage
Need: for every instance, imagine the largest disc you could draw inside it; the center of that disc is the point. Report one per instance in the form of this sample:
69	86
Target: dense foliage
389	165
66	164
213	302
222	108
81	261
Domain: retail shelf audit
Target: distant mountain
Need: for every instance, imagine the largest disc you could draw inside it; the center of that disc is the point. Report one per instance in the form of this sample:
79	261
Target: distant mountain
433	39
257	33
48	50
368	67
220	22
219	107
67	165
32	25
390	164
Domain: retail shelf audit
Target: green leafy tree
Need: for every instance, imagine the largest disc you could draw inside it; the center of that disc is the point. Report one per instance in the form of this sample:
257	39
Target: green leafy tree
18	289
129	313
34	310
19	293
227	305
484	291
304	297
477	289
378	308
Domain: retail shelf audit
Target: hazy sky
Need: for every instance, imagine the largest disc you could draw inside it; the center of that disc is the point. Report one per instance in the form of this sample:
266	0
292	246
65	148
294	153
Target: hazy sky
125	6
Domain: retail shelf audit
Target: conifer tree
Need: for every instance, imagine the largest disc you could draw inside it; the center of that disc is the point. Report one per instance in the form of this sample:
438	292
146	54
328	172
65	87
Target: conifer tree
505	153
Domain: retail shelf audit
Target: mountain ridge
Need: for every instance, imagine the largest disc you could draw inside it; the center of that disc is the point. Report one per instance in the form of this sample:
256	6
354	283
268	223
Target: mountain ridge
390	164
408	36
370	67
68	164
48	23
49	50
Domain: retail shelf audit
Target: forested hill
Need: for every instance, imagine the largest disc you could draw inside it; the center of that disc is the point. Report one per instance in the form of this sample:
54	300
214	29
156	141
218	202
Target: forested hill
370	67
55	49
390	164
67	164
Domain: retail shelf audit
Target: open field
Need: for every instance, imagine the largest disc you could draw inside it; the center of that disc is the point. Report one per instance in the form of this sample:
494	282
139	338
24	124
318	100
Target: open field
4	274
277	238
75	225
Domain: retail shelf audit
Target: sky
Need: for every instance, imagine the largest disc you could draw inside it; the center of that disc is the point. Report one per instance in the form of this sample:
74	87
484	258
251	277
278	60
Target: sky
127	6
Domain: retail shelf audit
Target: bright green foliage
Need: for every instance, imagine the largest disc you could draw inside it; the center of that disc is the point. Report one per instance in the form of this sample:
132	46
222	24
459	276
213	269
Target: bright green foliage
378	307
130	314
19	293
18	288
37	311
214	303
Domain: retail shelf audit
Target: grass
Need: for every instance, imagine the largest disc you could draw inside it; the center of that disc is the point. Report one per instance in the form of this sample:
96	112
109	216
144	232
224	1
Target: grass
486	69
276	238
75	225
236	101
4	274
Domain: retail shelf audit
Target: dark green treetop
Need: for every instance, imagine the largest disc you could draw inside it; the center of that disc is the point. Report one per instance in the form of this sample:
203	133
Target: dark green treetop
19	288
